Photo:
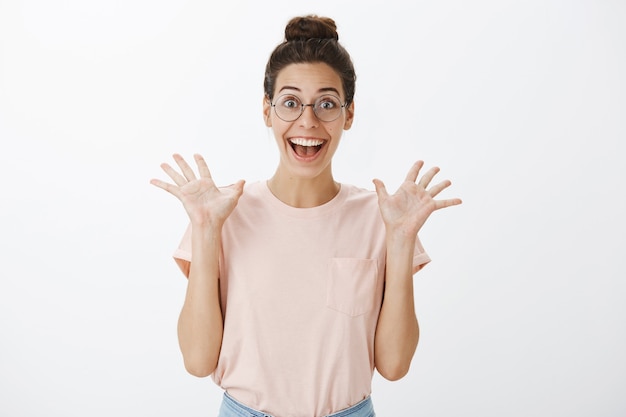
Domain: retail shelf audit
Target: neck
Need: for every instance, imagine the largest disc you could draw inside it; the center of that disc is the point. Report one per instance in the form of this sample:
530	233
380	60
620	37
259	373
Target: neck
303	192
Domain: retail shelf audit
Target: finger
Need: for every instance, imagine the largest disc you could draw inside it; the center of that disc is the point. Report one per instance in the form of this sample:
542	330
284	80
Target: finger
175	176
414	171
439	204
238	187
184	167
437	188
203	168
170	188
428	177
381	190
240	184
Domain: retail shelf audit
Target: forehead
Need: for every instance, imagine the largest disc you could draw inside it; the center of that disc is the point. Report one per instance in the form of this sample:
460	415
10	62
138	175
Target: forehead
308	79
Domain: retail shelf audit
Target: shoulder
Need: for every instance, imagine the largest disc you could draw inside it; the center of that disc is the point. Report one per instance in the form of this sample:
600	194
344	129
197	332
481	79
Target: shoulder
252	194
360	203
253	205
360	196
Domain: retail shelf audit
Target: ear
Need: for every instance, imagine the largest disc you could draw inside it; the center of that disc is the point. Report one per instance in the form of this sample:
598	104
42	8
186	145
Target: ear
267	110
349	116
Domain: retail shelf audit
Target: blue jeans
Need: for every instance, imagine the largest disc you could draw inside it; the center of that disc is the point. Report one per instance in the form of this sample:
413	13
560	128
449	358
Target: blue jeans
232	408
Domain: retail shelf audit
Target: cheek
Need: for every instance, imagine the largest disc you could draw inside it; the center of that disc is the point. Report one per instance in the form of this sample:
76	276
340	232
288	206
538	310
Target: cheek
335	130
278	125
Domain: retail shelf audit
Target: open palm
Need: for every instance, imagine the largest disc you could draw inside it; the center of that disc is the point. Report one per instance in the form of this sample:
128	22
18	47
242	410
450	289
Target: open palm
410	206
204	202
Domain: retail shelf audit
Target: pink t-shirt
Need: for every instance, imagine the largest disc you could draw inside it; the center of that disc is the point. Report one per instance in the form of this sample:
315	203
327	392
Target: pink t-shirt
301	290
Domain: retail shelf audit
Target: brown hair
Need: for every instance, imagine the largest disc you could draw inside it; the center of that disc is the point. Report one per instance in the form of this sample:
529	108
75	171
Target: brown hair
311	39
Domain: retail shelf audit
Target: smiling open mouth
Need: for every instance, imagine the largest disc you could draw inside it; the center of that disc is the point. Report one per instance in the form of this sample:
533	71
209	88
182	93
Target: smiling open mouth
306	148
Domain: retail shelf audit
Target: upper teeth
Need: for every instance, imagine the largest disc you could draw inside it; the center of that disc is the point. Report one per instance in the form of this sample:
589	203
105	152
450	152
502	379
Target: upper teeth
306	142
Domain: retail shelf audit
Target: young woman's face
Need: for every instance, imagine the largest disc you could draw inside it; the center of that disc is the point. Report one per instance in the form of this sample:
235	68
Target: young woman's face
307	144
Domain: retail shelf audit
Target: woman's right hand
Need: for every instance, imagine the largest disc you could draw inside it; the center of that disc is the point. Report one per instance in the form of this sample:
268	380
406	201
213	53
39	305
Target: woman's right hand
205	203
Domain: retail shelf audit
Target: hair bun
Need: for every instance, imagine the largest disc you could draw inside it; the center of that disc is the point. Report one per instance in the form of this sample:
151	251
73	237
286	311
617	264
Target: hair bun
311	27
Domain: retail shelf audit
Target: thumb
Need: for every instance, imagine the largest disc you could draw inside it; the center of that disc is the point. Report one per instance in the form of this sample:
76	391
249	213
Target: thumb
238	186
380	188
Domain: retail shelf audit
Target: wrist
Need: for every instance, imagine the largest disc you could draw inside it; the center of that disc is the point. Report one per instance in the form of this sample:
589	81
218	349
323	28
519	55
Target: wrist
400	234
401	241
206	229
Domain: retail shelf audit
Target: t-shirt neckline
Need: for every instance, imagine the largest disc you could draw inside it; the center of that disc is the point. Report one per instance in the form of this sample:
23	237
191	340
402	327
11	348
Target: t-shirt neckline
307	212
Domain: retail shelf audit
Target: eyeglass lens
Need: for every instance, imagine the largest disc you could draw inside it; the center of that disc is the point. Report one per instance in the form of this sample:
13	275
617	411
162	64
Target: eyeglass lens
289	107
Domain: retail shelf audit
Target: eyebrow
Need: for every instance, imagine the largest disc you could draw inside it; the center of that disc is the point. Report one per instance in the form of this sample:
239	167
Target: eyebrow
321	90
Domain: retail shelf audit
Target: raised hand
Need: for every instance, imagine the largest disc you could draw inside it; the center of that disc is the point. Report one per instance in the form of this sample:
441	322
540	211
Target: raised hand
204	202
407	210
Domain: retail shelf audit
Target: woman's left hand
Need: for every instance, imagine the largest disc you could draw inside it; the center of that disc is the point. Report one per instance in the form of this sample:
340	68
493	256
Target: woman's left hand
407	210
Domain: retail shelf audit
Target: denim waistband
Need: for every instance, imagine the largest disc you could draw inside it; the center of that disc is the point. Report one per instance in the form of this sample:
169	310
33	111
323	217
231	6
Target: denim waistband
233	408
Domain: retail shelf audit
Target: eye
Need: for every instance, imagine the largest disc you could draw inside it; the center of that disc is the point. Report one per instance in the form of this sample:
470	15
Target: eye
327	103
289	102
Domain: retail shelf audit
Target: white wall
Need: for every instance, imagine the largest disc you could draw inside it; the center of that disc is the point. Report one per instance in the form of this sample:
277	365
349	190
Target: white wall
522	104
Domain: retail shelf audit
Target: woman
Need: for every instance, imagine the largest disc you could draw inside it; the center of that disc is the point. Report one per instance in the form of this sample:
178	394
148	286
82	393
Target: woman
284	304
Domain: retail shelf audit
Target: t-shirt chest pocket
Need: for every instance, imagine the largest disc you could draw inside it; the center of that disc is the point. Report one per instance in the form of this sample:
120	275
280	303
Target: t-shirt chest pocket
351	286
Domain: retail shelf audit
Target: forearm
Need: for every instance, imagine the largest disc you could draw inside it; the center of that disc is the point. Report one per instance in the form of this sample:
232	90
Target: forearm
397	331
200	324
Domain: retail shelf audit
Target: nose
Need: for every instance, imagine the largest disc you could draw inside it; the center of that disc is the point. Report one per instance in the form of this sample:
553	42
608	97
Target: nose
308	119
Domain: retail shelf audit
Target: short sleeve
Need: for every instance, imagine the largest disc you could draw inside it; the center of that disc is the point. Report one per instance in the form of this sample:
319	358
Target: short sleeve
420	257
182	254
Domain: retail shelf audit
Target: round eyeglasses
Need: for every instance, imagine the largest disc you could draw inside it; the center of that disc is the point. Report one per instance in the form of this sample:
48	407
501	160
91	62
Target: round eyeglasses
326	108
